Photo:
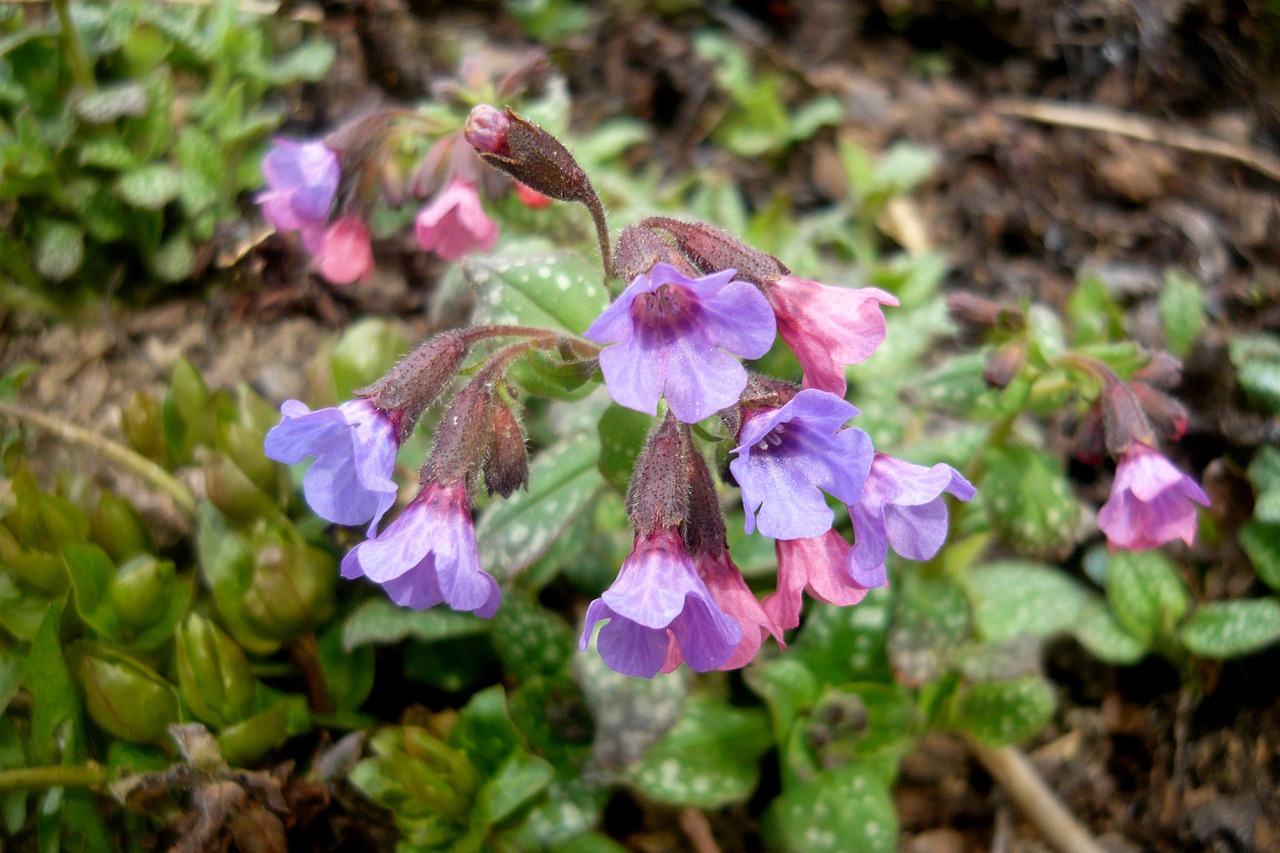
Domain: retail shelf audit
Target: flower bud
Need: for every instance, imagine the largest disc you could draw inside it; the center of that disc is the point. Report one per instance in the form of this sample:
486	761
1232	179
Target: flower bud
1005	363
141	589
1168	414
528	153
658	497
1123	418
712	250
124	696
291	589
530	197
506	467
118	528
214	675
1164	370
1091	441
703	531
461	446
418	379
640	247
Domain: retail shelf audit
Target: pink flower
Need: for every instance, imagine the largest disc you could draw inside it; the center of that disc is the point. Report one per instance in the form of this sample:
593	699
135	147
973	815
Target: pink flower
828	327
454	224
530	197
1151	502
345	253
818	566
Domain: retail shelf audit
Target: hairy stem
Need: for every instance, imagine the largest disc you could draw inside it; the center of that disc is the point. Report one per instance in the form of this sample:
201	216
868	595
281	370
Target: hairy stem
135	463
76	775
602	232
1033	797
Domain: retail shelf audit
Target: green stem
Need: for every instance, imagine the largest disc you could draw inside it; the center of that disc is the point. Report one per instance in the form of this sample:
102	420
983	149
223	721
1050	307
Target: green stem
73	48
133	462
86	776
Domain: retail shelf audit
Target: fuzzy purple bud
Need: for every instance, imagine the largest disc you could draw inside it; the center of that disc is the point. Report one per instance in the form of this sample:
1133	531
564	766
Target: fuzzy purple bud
506	466
418	379
486	130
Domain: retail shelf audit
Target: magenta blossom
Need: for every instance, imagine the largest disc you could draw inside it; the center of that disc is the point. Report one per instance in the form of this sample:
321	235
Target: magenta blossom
730	592
345	253
1151	502
677	337
428	555
828	327
302	179
789	456
454	224
355	447
658	599
901	506
818	566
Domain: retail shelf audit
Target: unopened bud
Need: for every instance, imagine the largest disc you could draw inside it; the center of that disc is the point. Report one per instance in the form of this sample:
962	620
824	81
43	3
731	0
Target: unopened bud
528	153
1091	441
530	197
977	314
141	590
1164	370
1168	414
704	530
658	497
214	675
461	442
640	247
1123	418
507	466
712	250
418	379
1005	363
124	696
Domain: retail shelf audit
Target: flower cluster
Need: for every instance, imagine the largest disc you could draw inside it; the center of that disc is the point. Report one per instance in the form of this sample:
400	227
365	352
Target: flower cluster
697	302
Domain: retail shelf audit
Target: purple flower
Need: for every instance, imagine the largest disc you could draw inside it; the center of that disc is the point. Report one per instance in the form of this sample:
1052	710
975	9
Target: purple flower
818	566
787	457
355	447
674	336
428	555
454	224
828	327
901	506
1150	502
658	599
302	179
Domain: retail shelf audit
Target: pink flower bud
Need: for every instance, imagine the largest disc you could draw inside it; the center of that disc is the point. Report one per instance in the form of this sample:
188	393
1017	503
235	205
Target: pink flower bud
345	253
486	129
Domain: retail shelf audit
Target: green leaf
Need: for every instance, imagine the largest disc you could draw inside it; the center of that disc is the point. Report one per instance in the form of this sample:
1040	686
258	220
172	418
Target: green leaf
484	731
847	643
13	804
1029	502
1261	542
901	167
1230	629
810	117
53	693
150	187
1257	362
1104	636
382	622
630	713
563	482
520	779
91	572
1013	599
545	375
560	290
709	759
108	103
849	808
930	619
1264	473
1094	315
309	62
529	639
622	435
107	153
1145	593
956	386
563	820
1181	311
59	249
1004	712
175	260
348	672
12	671
788	688
366	350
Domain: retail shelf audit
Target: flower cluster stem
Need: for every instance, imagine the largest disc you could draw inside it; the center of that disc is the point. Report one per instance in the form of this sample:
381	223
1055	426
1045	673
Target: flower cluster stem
75	775
602	233
133	462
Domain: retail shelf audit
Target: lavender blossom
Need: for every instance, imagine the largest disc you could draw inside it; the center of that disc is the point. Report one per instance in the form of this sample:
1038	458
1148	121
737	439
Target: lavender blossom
1151	502
901	506
677	336
454	223
428	555
302	179
355	447
789	456
818	566
828	327
658	599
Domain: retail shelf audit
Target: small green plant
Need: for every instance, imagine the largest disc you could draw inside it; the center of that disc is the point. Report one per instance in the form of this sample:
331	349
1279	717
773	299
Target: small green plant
128	132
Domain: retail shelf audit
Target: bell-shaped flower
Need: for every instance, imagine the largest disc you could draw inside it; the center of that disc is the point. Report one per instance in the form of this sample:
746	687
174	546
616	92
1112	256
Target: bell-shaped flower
302	179
656	600
789	456
818	566
680	338
454	223
355	447
345	253
828	327
428	555
902	507
1151	502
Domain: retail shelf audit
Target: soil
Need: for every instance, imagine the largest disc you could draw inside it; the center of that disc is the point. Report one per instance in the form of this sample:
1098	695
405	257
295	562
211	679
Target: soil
1021	208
